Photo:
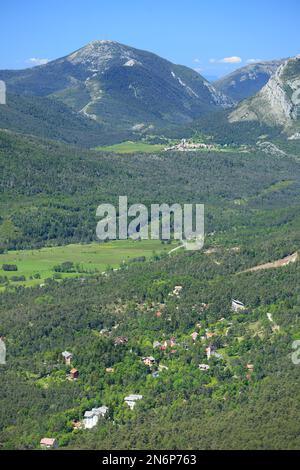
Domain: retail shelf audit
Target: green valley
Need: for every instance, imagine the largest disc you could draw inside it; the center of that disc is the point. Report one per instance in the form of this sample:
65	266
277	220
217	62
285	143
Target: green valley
39	265
132	147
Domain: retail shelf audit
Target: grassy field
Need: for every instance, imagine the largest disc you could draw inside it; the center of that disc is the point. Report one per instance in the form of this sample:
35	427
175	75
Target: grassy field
132	147
94	257
144	147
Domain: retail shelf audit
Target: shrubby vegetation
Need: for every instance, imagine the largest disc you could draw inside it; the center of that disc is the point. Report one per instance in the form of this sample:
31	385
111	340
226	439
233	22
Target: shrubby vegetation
10	267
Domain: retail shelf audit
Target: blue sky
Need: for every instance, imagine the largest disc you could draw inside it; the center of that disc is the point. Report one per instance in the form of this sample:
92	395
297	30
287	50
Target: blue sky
214	37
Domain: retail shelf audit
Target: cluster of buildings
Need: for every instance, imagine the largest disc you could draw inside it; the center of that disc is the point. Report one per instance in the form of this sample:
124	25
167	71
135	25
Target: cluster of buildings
186	146
165	344
91	417
90	420
74	373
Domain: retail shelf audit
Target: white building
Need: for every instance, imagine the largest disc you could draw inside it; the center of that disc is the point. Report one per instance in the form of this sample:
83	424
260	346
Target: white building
149	361
210	351
236	305
194	336
177	290
132	399
91	417
204	367
67	356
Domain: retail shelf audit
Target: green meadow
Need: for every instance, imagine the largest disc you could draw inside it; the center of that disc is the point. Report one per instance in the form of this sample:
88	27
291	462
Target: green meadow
132	147
38	265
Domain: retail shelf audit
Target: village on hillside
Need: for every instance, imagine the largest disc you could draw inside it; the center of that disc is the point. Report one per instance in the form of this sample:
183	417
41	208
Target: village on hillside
187	146
164	349
197	144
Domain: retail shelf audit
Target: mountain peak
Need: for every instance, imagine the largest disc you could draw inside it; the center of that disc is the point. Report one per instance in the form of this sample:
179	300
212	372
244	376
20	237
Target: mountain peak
100	54
122	87
103	41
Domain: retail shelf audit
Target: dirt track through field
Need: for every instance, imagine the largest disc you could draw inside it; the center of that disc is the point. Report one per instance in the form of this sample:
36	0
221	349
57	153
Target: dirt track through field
275	264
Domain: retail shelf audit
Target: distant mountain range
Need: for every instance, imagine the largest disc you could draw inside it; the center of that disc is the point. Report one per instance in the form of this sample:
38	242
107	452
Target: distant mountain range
277	103
107	92
247	81
116	85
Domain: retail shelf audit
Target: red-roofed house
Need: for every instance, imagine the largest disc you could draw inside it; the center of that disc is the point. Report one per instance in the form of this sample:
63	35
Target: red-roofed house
74	373
48	443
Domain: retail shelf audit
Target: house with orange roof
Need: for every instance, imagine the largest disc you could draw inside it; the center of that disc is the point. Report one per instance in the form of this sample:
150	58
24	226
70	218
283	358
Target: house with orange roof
48	443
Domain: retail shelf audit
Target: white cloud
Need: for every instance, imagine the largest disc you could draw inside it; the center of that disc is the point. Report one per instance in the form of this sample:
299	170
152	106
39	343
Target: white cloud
253	61
231	60
198	69
227	60
197	61
37	61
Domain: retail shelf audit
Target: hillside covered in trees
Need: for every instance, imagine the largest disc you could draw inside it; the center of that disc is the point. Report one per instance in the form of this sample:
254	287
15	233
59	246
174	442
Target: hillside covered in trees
248	398
50	192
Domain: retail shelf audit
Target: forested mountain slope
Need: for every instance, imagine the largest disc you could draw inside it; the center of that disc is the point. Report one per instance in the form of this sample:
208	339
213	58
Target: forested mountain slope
51	119
50	192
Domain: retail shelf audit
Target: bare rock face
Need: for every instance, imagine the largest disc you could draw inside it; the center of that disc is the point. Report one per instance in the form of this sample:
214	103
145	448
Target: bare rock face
278	103
98	56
